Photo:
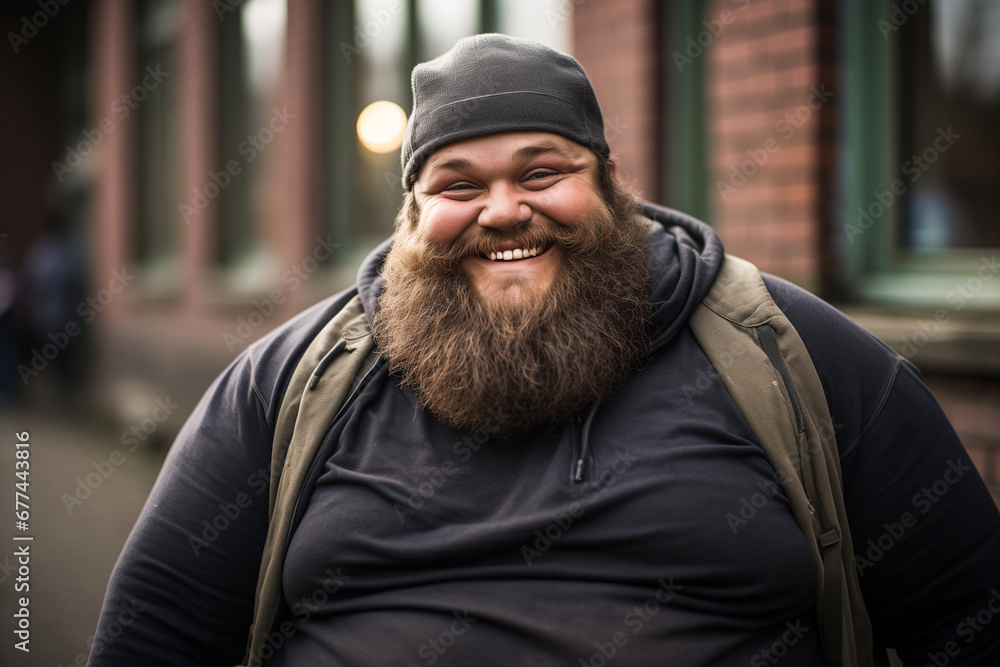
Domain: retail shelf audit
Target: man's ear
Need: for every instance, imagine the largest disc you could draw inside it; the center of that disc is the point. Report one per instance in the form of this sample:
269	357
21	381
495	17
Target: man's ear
613	162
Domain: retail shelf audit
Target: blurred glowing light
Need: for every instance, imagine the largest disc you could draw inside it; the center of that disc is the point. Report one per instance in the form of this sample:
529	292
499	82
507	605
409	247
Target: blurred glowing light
381	126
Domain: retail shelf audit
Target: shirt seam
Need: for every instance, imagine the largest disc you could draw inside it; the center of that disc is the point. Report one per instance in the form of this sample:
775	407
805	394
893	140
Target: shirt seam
878	410
256	391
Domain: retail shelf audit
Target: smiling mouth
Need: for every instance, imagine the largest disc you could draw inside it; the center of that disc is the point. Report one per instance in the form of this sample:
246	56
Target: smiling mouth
515	254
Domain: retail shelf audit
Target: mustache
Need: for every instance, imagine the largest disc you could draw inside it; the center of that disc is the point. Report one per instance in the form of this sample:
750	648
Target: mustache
491	240
580	238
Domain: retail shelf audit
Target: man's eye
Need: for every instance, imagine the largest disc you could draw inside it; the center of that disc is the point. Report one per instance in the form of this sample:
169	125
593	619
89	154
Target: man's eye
459	186
535	175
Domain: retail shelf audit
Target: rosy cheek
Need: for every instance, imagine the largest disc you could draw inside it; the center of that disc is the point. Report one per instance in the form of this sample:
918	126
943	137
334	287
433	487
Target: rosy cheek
571	204
444	223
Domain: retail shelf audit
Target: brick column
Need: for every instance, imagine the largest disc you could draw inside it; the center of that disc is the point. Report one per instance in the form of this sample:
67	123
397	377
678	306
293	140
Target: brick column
615	41
113	184
294	208
197	95
768	101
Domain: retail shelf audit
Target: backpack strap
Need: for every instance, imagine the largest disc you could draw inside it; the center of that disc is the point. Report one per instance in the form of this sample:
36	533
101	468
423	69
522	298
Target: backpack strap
324	378
767	370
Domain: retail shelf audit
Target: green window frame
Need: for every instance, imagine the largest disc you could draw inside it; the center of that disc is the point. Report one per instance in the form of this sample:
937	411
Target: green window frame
684	167
874	268
154	101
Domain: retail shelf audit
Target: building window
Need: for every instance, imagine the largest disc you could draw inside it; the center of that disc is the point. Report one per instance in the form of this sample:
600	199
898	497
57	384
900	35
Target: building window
949	60
382	71
921	155
441	23
154	102
251	58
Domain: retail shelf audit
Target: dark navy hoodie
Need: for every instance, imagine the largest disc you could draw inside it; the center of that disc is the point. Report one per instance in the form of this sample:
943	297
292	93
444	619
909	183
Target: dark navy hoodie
671	544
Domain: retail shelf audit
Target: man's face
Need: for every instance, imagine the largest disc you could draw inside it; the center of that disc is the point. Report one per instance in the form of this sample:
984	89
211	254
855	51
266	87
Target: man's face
536	338
484	192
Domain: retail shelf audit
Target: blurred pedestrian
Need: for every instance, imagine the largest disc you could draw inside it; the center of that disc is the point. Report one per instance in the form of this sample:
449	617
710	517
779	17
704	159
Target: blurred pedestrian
52	283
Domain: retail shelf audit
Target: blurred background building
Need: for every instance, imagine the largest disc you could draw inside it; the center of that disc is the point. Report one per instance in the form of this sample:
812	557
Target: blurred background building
181	176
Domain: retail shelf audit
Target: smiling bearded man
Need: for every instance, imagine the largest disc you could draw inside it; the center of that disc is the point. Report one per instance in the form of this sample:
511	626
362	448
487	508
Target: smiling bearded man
650	503
539	358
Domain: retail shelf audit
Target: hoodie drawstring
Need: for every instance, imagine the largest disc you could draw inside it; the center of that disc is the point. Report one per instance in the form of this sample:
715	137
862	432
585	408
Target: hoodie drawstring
577	474
325	361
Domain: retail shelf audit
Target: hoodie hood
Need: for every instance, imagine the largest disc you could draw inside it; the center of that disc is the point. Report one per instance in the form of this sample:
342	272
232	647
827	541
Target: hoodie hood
370	278
685	256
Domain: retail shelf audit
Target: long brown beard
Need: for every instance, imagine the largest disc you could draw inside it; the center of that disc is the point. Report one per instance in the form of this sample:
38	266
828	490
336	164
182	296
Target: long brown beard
537	360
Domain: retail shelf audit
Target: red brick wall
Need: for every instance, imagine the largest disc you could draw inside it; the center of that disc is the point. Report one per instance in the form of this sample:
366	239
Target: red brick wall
766	113
615	41
295	181
177	341
768	93
972	407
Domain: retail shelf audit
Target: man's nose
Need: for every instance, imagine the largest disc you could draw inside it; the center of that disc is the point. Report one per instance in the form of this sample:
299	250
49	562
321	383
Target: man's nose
504	208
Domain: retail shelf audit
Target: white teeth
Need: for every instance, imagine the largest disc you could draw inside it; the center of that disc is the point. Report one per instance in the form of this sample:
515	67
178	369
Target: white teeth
508	255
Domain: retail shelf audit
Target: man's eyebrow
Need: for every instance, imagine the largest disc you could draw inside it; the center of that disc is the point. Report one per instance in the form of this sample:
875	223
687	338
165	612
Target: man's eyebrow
456	163
520	155
528	152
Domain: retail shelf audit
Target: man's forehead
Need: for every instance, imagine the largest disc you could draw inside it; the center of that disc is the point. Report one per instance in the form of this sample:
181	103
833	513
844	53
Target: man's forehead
516	146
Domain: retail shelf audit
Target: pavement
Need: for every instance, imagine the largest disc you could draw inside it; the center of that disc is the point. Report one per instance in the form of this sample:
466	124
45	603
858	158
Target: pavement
85	492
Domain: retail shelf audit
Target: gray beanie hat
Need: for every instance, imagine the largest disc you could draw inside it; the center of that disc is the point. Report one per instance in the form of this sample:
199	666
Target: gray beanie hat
494	83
